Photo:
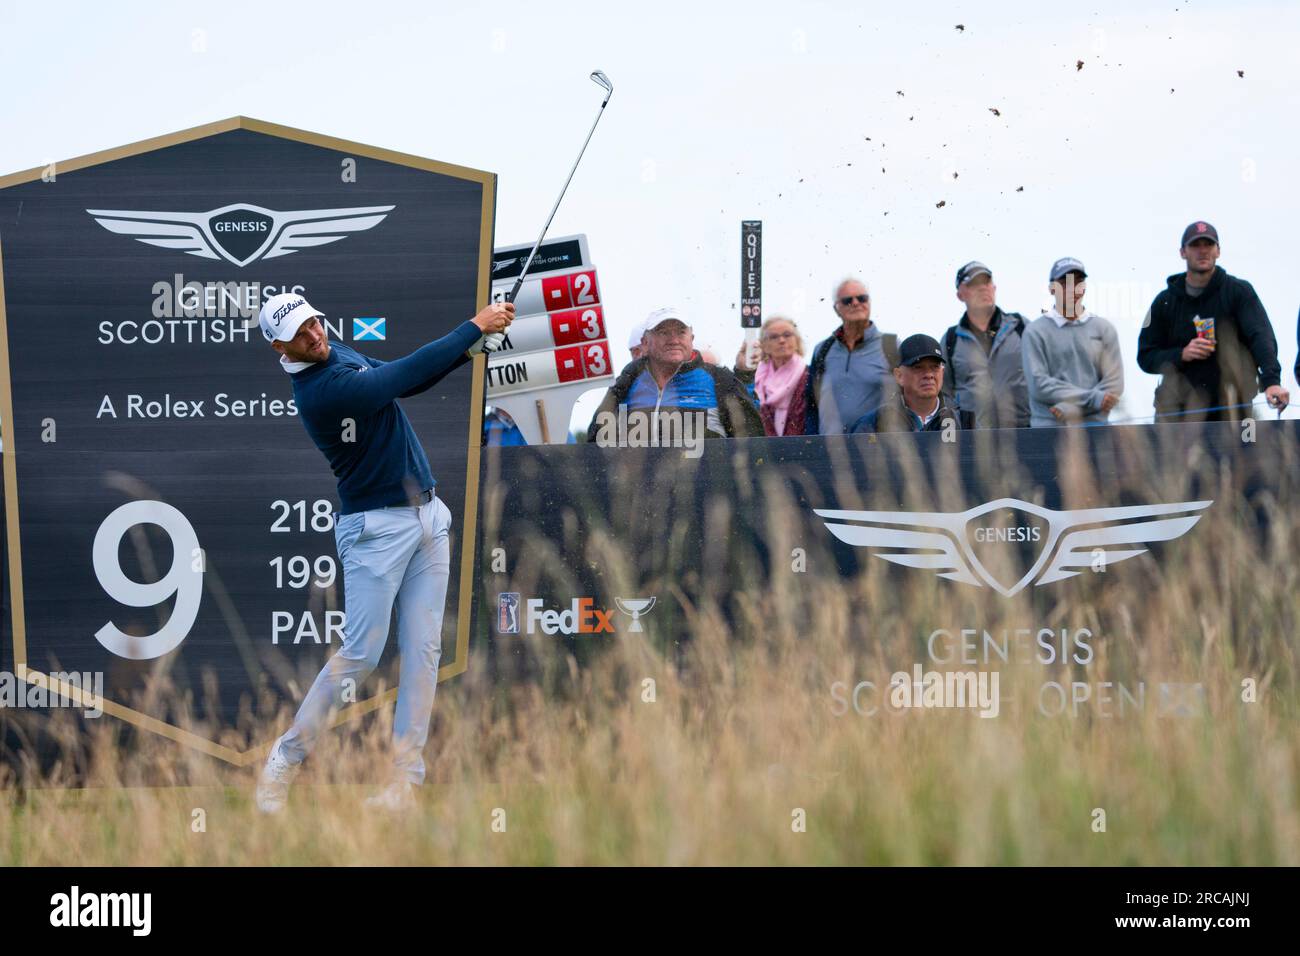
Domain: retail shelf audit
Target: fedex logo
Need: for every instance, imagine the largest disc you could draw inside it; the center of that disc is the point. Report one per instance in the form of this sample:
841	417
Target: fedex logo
582	617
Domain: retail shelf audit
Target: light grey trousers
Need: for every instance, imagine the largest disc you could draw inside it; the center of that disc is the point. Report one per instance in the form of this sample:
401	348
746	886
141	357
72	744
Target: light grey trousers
398	555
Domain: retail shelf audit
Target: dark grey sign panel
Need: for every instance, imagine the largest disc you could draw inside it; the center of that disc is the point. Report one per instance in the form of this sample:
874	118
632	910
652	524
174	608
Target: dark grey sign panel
166	507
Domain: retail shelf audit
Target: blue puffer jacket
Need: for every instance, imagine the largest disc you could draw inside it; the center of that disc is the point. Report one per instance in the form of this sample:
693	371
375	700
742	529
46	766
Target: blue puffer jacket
696	387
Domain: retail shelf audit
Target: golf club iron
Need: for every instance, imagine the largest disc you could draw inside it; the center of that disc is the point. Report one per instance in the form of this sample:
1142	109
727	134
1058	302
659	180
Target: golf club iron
603	81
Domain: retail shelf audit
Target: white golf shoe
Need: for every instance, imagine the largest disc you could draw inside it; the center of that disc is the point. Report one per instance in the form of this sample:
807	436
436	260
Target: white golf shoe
395	798
273	785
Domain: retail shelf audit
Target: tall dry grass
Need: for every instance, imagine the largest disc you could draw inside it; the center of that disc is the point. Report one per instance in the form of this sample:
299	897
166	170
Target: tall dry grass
744	730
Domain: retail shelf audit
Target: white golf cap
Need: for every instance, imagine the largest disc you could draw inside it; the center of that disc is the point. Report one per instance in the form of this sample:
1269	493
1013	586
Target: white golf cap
636	335
659	316
282	314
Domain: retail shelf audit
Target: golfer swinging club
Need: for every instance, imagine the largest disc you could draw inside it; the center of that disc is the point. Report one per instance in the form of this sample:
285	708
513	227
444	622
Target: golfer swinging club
391	531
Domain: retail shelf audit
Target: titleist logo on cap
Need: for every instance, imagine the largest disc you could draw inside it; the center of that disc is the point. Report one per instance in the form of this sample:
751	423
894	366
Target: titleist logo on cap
284	310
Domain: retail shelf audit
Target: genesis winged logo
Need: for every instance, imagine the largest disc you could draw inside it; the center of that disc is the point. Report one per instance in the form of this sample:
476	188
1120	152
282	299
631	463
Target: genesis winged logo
240	233
978	546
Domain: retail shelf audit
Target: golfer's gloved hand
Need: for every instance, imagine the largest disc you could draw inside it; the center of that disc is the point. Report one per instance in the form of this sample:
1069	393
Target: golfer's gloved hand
493	321
487	343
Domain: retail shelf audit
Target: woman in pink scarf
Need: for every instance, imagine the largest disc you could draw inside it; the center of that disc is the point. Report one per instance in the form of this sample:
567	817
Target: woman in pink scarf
780	378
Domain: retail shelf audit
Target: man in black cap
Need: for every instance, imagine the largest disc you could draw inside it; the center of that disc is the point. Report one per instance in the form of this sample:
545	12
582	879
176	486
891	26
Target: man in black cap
1208	336
919	404
985	374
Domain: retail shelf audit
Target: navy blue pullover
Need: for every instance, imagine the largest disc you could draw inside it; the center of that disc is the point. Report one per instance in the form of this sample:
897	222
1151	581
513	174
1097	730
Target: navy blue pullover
384	464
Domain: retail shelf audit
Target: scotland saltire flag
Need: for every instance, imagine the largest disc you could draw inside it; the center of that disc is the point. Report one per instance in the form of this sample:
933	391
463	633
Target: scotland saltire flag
369	330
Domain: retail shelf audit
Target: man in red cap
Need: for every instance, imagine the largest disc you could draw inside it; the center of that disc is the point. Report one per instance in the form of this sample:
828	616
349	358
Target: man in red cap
1208	337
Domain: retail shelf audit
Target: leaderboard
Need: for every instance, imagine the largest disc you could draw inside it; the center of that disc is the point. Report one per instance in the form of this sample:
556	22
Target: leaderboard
559	338
552	348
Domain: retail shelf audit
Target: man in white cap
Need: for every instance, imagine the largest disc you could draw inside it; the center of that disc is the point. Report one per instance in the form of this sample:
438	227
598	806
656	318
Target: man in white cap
636	340
1071	357
670	381
391	530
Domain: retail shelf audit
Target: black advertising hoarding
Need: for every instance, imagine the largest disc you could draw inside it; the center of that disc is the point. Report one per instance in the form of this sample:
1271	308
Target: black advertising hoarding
166	509
751	274
1028	522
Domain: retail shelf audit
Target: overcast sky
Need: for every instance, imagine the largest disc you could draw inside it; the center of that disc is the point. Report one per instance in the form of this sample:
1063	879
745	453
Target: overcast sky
839	125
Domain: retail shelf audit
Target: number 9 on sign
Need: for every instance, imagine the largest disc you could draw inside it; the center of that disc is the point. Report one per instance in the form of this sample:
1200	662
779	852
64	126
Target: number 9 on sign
184	579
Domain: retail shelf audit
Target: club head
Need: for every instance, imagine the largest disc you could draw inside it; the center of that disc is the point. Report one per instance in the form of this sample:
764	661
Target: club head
601	80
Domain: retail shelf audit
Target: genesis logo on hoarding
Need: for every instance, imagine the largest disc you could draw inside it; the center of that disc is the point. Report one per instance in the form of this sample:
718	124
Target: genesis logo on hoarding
960	545
240	233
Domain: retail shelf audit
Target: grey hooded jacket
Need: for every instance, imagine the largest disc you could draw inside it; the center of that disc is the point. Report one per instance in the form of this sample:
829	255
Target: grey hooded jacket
991	386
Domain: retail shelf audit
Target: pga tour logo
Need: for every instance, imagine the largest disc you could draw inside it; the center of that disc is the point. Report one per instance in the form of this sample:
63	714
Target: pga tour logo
508	613
240	233
1009	544
580	617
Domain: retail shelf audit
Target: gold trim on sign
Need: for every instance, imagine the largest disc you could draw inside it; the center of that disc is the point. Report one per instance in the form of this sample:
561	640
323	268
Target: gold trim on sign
12	531
469	544
364	149
256	126
122	152
488	182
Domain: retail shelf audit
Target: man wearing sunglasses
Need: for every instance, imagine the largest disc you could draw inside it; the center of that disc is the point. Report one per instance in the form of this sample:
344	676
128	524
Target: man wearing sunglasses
850	371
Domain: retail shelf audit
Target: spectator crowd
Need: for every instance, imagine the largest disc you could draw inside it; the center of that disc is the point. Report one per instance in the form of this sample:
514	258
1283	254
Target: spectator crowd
1206	335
